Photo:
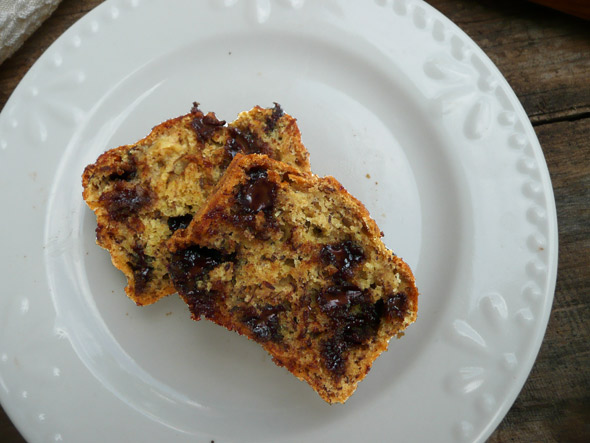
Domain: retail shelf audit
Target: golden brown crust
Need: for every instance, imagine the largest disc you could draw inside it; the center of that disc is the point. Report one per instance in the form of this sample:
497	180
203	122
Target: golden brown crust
294	262
141	193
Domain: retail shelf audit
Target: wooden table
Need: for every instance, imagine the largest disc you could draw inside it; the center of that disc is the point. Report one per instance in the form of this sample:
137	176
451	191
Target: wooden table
545	56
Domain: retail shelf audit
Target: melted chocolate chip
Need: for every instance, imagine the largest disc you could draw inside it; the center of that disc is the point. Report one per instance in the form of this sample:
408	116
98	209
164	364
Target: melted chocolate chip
265	325
336	300
344	256
246	142
258	173
332	351
124	175
188	265
201	303
354	320
258	194
351	313
205	125
232	147
179	222
124	201
140	264
360	327
396	306
125	171
271	121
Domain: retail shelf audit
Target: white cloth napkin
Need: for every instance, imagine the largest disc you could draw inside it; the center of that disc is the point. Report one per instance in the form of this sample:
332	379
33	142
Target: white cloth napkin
19	19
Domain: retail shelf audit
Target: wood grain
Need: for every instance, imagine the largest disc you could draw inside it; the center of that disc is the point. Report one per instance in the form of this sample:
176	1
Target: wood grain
545	56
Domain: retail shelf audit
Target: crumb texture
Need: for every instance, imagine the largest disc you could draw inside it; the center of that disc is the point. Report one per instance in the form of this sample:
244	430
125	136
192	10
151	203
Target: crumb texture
295	263
143	193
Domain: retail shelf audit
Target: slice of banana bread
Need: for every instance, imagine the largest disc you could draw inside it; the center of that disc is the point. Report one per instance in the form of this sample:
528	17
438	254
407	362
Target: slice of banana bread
142	193
294	262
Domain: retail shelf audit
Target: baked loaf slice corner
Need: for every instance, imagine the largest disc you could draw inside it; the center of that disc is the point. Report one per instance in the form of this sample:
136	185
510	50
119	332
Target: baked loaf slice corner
295	263
142	193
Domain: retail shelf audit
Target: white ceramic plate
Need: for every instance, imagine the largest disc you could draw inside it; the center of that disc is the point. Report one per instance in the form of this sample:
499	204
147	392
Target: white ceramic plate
393	100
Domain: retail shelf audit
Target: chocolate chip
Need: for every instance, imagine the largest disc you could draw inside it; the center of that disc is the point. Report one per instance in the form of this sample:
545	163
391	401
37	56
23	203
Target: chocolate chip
265	324
124	201
205	125
258	194
232	147
354	320
187	265
201	303
124	172
359	327
187	268
338	299
271	121
140	264
124	175
179	222
344	256
332	351
246	142
396	306
351	313
125	169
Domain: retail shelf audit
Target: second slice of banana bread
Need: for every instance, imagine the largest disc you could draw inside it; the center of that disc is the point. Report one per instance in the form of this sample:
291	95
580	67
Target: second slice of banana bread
294	262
